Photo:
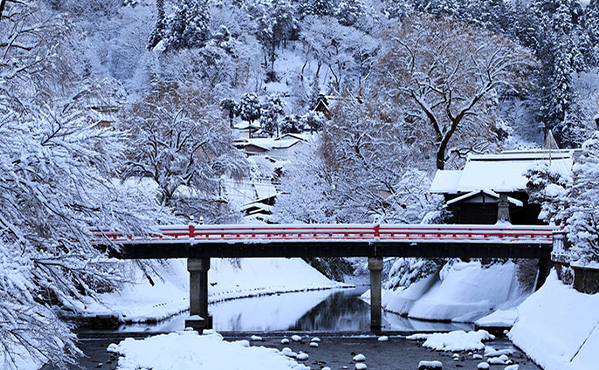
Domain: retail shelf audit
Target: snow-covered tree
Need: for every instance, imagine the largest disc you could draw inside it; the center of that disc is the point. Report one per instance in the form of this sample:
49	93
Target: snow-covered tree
186	28
58	169
350	11
446	75
250	109
582	210
272	108
179	140
317	7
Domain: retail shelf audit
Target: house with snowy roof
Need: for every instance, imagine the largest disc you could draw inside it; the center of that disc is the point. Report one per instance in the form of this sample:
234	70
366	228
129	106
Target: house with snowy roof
491	188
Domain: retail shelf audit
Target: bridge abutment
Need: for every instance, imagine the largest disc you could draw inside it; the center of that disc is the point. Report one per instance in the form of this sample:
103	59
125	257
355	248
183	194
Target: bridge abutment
375	265
198	294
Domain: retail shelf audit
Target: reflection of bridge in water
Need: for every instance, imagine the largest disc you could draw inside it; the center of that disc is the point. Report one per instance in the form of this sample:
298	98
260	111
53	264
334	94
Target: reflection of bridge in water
198	243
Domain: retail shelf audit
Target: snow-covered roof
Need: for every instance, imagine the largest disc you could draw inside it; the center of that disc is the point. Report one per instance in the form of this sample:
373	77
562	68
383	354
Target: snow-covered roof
446	181
492	194
265	190
501	173
290	135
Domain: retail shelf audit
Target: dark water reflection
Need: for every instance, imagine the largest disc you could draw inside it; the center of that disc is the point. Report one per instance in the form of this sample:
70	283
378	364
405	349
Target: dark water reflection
324	310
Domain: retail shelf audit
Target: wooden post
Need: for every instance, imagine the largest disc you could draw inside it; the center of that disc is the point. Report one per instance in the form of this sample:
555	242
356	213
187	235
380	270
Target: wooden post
375	265
198	294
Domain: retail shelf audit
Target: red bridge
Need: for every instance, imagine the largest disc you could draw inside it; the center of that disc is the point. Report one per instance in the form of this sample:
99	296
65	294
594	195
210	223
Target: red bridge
198	243
338	240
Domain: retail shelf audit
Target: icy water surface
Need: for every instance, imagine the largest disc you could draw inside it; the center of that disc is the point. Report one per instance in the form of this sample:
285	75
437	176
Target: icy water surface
324	310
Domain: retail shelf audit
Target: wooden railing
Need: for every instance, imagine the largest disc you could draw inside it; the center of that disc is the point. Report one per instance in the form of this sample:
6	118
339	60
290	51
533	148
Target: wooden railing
336	232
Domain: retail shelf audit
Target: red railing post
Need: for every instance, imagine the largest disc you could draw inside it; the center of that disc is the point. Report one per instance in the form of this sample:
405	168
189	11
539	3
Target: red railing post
192	230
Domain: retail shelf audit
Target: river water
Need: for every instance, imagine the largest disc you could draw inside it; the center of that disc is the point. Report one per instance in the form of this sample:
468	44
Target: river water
334	310
338	315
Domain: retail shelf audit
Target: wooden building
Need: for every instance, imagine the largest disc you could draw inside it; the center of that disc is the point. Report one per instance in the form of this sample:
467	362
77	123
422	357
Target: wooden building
491	188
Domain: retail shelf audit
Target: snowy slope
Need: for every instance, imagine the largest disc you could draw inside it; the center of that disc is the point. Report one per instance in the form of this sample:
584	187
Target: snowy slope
229	279
461	293
558	327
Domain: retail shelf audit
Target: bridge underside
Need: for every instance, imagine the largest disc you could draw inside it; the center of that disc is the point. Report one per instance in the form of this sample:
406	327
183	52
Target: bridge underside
334	249
198	260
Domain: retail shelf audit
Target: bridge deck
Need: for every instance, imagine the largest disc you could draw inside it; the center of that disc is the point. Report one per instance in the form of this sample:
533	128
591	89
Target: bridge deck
430	241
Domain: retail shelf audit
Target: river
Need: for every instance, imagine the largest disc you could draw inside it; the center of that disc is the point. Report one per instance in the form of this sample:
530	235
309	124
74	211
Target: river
337	310
338	316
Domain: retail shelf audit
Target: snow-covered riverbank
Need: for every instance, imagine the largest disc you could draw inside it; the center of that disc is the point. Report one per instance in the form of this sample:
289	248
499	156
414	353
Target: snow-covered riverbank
229	279
558	327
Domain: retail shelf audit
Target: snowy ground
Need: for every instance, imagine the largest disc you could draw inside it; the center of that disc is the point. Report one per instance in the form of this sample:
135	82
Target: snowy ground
464	292
229	279
558	327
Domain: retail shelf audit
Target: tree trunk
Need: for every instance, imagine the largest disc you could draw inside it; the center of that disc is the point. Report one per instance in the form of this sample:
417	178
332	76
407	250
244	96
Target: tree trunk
2	5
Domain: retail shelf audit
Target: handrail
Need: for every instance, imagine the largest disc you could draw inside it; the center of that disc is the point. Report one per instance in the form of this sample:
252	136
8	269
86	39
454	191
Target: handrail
337	232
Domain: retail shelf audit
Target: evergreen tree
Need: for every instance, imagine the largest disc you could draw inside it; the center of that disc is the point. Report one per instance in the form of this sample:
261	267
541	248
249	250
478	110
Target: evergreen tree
317	7
582	211
160	27
188	27
350	11
271	110
249	109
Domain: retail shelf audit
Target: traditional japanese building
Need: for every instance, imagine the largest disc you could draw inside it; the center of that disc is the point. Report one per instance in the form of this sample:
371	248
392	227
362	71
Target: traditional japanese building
491	188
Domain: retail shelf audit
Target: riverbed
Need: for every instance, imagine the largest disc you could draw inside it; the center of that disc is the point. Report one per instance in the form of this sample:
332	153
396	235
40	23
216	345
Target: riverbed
339	317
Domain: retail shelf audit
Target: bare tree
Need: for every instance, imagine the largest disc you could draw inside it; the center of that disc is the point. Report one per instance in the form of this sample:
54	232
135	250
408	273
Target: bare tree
448	74
180	140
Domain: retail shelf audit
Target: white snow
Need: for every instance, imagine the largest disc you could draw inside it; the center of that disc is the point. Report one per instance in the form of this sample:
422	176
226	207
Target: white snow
430	365
558	327
458	340
499	172
460	293
229	279
500	318
187	349
383	338
302	356
314	344
296	338
501	360
483	366
360	366
359	358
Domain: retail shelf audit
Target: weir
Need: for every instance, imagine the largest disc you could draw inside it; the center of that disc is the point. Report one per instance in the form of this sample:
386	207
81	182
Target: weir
199	243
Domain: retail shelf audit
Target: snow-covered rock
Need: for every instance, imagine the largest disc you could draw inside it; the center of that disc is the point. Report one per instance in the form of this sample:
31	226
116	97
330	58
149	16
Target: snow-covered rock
302	356
187	349
430	365
359	358
458	340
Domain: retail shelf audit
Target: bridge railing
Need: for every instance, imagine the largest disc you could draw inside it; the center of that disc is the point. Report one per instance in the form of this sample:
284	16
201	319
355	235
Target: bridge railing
336	232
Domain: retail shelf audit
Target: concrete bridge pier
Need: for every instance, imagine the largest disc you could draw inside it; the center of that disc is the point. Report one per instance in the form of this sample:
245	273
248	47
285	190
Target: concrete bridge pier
198	294
375	265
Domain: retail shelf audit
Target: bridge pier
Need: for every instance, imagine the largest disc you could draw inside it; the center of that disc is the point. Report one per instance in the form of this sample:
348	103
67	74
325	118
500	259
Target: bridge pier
198	294
375	265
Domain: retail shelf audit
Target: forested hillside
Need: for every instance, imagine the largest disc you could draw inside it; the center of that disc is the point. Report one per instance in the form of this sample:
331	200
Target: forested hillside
118	114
